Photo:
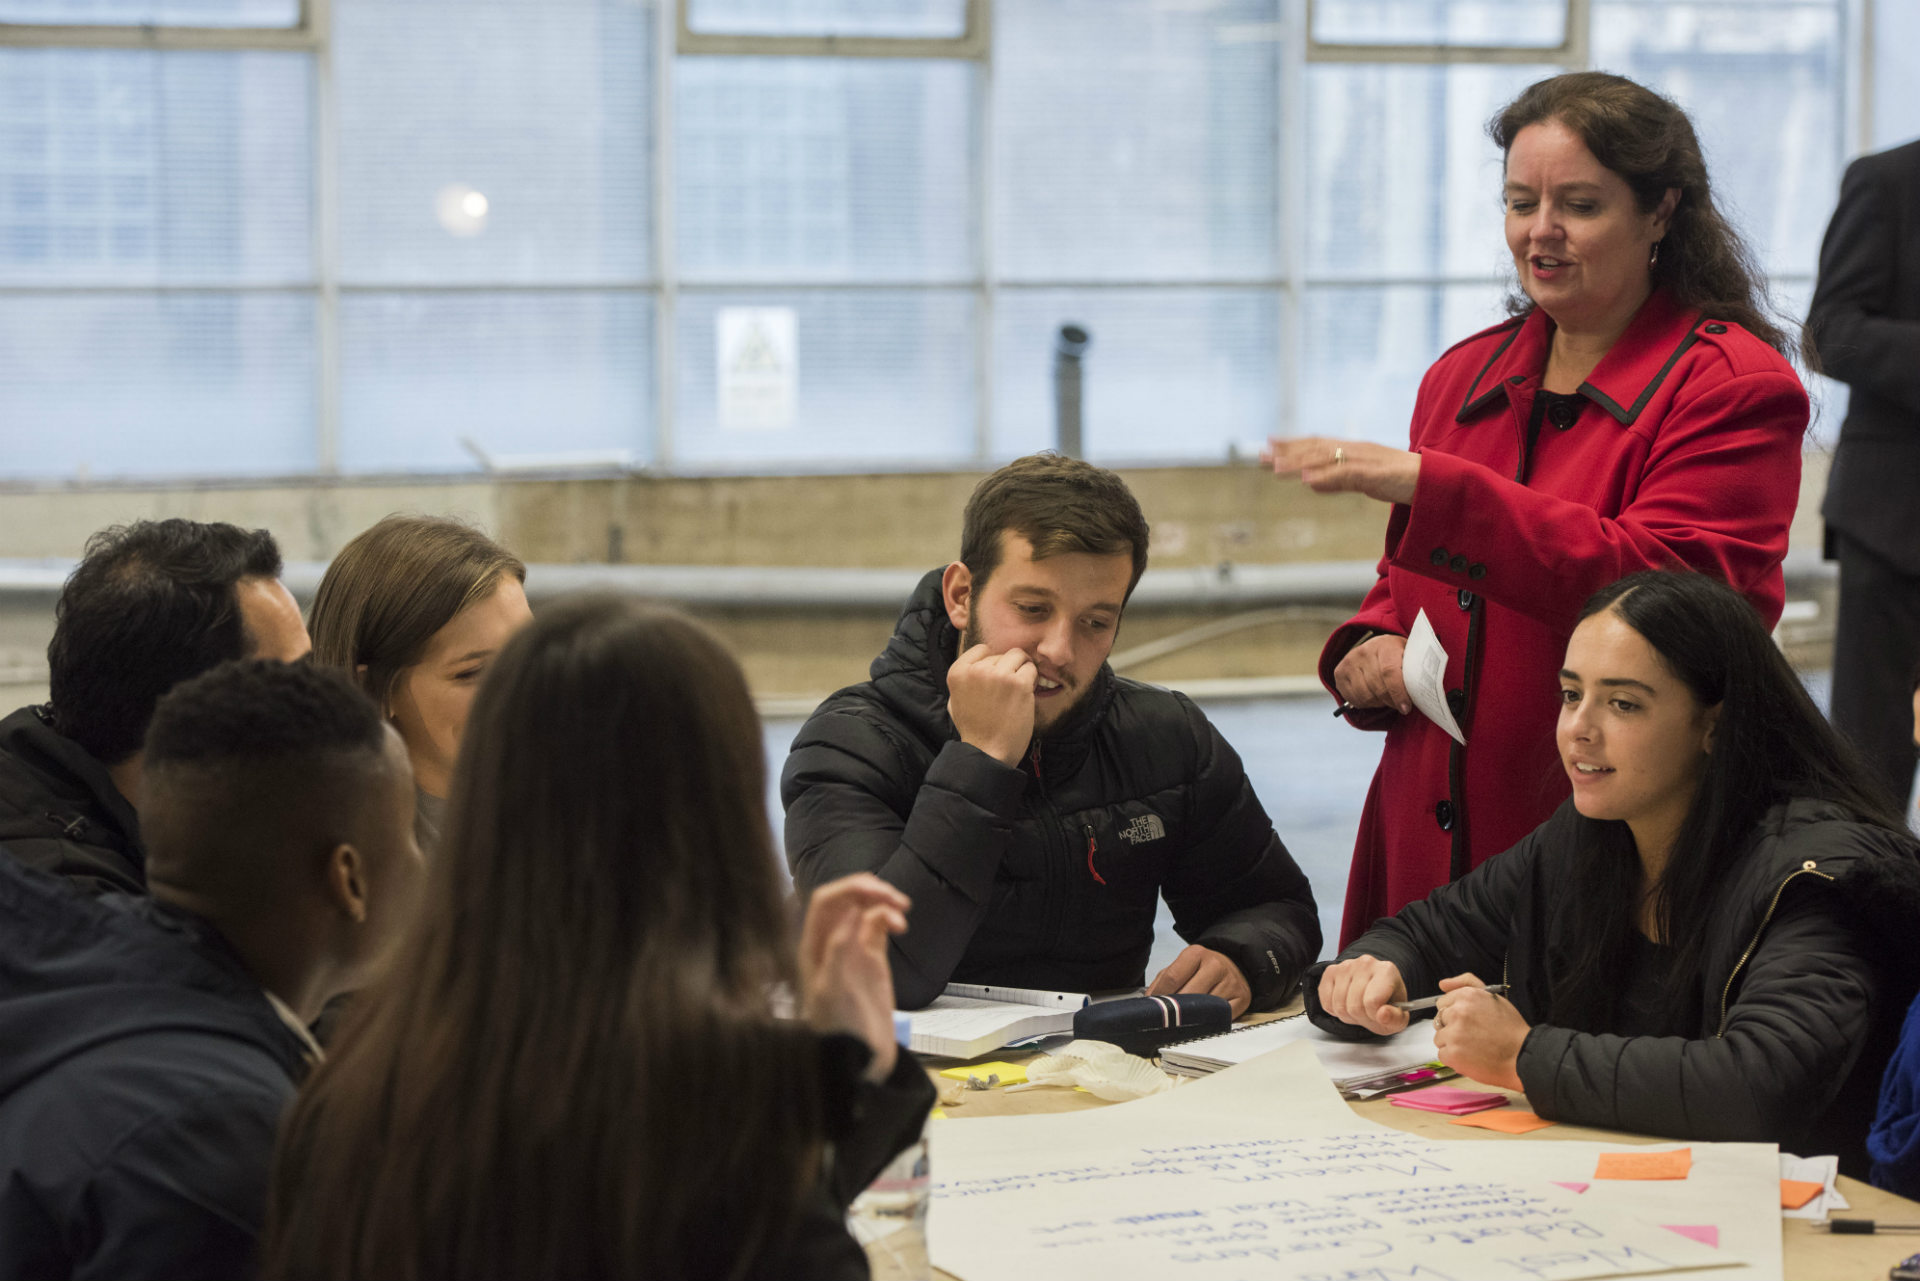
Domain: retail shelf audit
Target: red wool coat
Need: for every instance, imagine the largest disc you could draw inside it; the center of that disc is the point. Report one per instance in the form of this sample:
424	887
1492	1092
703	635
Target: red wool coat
1687	453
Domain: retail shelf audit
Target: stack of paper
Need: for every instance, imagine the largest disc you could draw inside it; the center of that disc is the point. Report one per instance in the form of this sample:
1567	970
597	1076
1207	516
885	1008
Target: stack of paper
1355	1066
1820	1170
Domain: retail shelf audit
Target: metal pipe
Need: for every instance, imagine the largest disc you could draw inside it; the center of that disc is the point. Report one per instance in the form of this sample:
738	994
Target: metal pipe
805	588
1069	346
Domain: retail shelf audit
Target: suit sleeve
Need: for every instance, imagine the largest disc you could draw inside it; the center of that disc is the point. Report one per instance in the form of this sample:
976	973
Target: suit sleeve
1462	927
1860	342
185	1195
1235	888
847	812
1717	494
1801	1017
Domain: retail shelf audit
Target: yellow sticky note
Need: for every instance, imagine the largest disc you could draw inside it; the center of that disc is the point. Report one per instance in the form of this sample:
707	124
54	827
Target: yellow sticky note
1009	1073
1645	1165
939	1114
1505	1120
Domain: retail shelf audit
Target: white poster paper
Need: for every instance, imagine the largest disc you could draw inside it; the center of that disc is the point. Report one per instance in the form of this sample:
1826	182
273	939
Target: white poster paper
758	354
1261	1171
1424	669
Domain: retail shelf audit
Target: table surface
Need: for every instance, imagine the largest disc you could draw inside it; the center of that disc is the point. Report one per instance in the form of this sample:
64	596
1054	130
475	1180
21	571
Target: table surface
1810	1254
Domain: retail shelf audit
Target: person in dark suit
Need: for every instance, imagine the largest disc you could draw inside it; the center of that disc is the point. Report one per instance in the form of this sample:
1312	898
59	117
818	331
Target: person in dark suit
1864	326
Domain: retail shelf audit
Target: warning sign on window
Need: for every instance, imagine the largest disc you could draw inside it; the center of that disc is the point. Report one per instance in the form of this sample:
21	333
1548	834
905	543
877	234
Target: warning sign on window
759	367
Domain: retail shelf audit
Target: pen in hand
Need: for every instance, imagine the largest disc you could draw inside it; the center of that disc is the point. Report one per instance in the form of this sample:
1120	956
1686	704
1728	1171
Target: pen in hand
1428	1002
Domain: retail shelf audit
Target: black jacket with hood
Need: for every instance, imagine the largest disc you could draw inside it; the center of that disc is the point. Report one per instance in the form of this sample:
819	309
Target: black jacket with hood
142	1076
59	809
1046	875
1809	967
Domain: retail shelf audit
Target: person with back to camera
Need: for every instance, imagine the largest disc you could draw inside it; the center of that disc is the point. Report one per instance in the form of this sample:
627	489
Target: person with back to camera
149	1043
415	608
574	1067
149	605
1636	412
1034	805
1709	940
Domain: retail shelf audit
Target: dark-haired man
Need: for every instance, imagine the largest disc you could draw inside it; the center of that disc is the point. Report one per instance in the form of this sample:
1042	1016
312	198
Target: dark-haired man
151	1043
1030	802
150	605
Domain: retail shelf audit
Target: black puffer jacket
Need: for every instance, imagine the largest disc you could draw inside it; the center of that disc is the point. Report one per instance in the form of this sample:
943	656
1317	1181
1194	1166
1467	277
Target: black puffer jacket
61	813
1810	965
1046	875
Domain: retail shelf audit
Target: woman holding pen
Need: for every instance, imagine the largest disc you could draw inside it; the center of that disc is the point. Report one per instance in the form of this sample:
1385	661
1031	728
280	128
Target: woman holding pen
1712	939
1636	412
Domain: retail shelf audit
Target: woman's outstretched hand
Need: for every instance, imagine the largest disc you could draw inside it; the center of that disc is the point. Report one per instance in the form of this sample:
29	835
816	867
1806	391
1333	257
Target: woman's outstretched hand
1362	992
1478	1034
1329	466
846	984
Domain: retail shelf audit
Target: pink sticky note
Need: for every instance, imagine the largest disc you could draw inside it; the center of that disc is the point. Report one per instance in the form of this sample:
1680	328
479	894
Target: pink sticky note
1419	1074
1449	1099
1571	1187
1705	1234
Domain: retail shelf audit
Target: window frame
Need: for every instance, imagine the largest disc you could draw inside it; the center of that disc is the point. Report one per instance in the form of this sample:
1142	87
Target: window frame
672	39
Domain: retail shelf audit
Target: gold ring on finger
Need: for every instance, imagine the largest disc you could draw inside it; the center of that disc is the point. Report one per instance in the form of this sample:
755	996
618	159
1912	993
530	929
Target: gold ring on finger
1339	455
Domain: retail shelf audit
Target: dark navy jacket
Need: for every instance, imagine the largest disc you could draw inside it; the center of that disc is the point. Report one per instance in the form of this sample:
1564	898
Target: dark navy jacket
1047	875
142	1076
59	809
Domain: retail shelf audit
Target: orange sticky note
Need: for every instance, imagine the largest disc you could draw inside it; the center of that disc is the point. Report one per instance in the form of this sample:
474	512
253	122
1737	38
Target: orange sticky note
1645	1165
1505	1120
1795	1193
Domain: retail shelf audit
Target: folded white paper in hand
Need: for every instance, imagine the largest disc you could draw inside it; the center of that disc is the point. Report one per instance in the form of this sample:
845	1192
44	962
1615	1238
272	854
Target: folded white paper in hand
1423	668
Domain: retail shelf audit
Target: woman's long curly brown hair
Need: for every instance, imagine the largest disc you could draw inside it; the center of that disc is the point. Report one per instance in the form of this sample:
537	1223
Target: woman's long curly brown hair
1650	143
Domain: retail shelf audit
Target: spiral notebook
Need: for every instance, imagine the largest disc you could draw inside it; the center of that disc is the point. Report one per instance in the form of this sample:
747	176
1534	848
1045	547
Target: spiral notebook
1360	1069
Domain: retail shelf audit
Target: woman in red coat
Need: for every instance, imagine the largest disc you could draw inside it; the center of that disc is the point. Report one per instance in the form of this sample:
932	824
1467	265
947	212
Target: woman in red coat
1636	412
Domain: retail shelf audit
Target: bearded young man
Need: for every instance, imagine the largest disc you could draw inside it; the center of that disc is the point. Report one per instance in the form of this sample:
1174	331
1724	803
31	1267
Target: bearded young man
1032	804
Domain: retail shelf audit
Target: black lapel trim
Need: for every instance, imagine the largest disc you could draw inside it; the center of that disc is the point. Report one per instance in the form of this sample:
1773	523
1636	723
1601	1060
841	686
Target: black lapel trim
1626	416
1471	405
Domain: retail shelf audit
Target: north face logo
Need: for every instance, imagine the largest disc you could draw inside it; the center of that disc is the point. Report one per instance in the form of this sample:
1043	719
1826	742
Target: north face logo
1147	827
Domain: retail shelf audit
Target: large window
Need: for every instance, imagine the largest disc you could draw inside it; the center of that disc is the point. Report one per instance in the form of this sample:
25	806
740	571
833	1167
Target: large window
262	237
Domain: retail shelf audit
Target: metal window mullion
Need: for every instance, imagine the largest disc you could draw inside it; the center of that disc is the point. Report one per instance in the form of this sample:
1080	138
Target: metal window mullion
1290	104
666	375
300	38
1571	52
326	196
973	41
986	313
1856	118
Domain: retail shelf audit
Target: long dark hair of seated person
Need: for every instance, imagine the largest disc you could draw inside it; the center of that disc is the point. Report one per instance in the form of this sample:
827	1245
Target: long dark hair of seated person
572	1070
1771	744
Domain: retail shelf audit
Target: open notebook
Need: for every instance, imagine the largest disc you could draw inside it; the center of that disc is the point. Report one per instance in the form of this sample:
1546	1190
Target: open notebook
1361	1069
967	1020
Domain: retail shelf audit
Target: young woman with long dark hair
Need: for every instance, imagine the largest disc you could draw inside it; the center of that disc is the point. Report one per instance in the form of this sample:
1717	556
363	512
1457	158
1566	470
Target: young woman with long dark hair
1711	939
574	1068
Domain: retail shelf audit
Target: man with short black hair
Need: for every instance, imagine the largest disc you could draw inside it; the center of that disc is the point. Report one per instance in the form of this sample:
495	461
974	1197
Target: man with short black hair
1032	804
151	1042
150	605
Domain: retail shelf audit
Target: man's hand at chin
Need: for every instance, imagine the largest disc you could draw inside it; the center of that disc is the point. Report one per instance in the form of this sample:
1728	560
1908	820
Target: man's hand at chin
1203	970
990	698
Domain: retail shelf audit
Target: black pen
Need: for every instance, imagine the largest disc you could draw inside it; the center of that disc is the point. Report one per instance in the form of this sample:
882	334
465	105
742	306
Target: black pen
1865	1227
1344	708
